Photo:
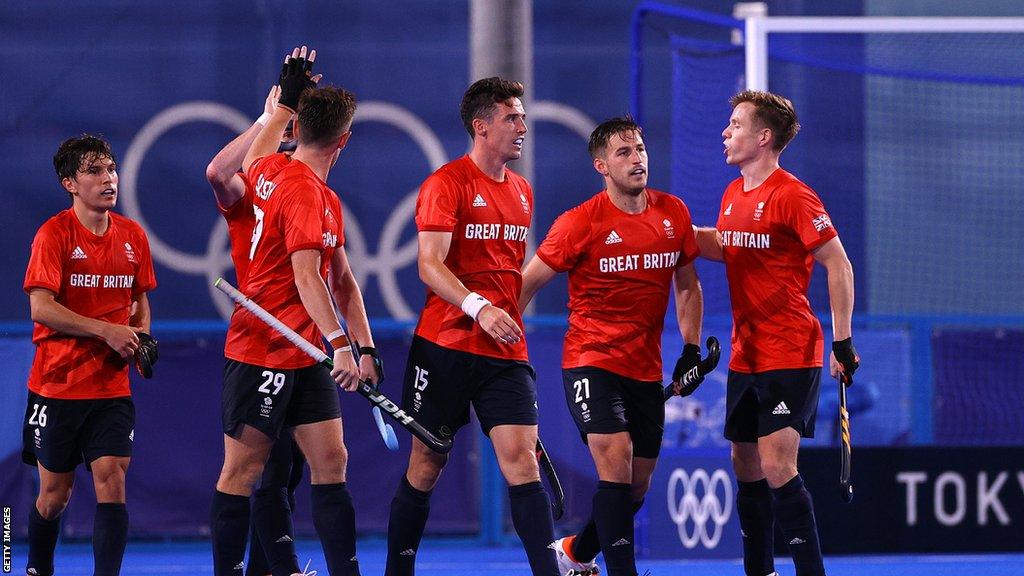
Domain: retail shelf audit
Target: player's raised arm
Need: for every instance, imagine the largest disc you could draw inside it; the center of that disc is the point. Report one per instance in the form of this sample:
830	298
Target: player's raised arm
296	77
222	171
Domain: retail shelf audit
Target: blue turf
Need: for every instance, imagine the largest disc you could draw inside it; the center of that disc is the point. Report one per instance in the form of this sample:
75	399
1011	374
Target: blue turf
464	558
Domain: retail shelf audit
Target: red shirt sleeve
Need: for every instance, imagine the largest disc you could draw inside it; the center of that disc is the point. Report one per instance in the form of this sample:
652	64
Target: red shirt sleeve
437	205
804	213
46	264
301	215
564	244
145	280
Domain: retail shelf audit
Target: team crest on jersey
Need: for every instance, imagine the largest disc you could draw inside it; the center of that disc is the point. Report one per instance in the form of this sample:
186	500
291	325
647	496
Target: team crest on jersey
525	204
758	211
669	230
822	222
129	252
78	253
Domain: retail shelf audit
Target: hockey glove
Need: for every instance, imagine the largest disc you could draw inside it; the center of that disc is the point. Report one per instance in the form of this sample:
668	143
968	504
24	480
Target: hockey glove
146	355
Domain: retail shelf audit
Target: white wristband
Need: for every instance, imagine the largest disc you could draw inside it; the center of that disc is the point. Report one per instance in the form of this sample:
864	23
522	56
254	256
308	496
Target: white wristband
473	304
263	119
344	349
335	334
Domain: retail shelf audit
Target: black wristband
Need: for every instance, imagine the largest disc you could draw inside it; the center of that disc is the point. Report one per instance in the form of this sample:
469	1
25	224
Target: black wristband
368	351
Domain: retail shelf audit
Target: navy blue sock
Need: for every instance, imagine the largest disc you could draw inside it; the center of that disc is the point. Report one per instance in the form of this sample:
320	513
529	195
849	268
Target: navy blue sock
586	545
614	520
409	510
42	541
335	521
229	526
794	511
109	538
273	551
757	525
531	516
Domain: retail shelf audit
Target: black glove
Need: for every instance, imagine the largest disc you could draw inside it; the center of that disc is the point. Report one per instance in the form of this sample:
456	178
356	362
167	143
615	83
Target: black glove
689	358
296	77
377	362
846	355
146	355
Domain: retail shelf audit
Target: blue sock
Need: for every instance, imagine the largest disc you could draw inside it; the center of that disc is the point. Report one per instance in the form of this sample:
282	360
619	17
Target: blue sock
409	510
757	523
229	527
335	521
531	517
42	541
794	511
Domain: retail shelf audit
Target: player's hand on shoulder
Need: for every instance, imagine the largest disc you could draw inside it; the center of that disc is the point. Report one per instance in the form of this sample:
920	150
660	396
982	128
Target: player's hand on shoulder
499	325
345	372
122	339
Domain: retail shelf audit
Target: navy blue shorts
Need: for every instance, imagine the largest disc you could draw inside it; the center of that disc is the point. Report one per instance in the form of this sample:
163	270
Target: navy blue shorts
271	399
759	404
441	384
602	402
61	434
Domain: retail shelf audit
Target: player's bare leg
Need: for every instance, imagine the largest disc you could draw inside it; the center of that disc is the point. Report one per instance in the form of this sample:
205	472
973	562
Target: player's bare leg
528	501
334	516
44	519
410	508
110	525
244	457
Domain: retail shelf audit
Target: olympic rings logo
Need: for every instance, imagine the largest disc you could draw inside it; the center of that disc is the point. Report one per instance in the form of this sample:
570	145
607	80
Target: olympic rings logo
704	498
390	257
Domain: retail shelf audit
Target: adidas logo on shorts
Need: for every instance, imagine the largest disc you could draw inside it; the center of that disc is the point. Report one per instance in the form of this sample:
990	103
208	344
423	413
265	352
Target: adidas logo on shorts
613	238
479	202
621	542
78	253
781	409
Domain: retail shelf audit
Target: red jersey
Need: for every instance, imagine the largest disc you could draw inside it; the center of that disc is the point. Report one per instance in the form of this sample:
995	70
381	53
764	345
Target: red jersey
94	276
768	234
241	221
620	269
293	209
489	222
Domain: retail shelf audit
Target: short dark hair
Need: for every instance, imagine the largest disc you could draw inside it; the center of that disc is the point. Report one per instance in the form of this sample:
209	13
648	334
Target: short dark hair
73	152
774	112
483	96
324	115
605	130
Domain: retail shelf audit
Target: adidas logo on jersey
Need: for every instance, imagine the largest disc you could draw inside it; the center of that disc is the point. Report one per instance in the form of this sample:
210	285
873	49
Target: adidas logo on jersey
781	409
479	202
728	209
78	253
796	541
613	238
621	542
407	552
282	539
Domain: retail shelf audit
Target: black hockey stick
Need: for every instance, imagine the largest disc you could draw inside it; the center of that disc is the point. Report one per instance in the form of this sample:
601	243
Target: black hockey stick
702	369
548	468
366	389
845	486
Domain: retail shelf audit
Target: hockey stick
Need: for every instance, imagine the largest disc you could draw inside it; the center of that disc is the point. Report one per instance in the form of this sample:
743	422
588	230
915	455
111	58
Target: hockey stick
845	486
546	466
702	369
365	388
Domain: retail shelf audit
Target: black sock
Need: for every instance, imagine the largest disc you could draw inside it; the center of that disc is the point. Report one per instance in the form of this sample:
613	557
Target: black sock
409	510
585	546
614	520
256	564
229	526
109	537
795	513
757	525
335	522
42	540
531	516
273	551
